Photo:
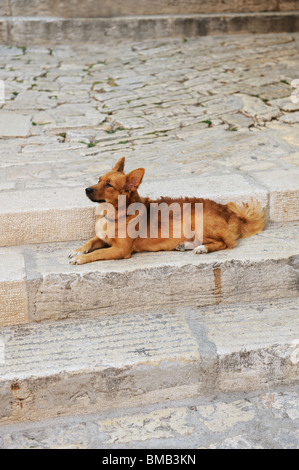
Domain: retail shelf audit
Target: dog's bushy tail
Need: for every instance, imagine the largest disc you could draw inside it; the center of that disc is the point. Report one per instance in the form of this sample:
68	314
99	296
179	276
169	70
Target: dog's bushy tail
251	215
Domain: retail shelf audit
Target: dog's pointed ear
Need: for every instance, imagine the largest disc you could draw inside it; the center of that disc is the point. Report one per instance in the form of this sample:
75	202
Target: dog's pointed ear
120	165
134	179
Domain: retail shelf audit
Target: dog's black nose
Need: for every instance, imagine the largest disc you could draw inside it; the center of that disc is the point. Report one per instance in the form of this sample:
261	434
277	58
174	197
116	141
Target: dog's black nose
89	190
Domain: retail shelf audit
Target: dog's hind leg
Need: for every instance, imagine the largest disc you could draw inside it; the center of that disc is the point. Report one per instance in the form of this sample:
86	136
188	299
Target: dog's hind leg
187	246
180	247
211	245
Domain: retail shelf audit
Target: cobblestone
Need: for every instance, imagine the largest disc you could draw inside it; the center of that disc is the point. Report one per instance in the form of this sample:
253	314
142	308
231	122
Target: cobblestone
205	106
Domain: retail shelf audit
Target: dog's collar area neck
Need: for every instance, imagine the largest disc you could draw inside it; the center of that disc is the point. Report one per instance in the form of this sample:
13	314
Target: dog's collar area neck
116	218
123	214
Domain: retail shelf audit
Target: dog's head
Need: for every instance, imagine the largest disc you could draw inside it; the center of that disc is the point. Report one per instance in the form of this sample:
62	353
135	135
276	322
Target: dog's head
115	183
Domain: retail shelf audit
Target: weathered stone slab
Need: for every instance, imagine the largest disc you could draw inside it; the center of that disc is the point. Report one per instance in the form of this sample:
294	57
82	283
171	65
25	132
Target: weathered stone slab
237	121
286	104
5	10
293	158
65	291
14	125
274	91
3	31
13	291
258	23
256	109
38	216
227	187
94	366
57	290
283	190
87	366
287	5
93	8
290	118
53	30
62	214
275	321
74	30
239	419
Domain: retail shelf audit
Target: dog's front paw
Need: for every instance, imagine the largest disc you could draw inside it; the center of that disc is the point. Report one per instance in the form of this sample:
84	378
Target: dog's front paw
78	259
200	249
75	253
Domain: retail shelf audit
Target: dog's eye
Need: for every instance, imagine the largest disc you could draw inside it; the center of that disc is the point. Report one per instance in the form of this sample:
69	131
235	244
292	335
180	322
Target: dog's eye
108	185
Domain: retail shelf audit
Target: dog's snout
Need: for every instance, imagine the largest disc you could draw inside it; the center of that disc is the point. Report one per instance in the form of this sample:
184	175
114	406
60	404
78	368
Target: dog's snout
89	191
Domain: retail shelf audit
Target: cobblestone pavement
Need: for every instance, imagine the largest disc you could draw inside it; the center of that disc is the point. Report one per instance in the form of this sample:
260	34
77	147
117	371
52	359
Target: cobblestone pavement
266	420
210	106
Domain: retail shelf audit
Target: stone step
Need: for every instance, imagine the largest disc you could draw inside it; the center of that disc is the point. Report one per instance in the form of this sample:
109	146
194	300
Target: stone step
264	419
36	30
67	368
65	213
106	8
38	283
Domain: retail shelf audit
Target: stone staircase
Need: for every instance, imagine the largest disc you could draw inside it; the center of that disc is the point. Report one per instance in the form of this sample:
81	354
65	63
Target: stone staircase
61	22
156	327
138	334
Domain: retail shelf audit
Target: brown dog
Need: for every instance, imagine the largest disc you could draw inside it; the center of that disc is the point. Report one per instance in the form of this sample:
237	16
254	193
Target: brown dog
222	224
